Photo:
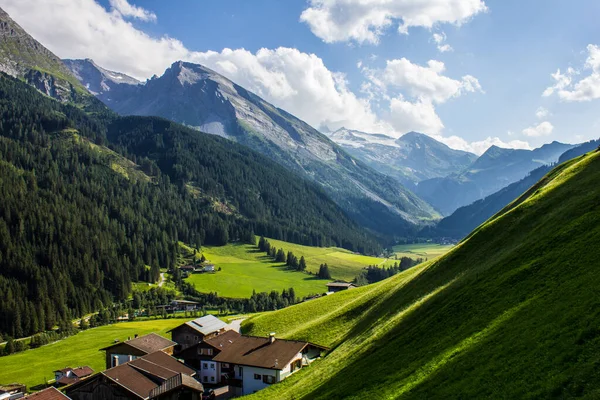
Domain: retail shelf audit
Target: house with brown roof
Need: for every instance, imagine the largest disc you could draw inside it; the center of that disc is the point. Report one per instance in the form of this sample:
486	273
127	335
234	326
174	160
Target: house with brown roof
67	376
197	330
338	286
123	352
249	363
48	394
153	376
12	391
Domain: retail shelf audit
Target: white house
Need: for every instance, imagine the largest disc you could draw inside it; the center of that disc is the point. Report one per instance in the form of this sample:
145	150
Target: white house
251	363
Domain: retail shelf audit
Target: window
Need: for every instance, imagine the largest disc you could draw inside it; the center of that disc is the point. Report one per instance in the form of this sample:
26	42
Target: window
212	378
212	365
205	352
205	379
257	377
268	379
204	366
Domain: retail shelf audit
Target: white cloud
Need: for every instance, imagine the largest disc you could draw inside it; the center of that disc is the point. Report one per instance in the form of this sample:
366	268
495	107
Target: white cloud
542	113
440	39
585	89
420	116
366	20
295	81
128	10
543	129
425	85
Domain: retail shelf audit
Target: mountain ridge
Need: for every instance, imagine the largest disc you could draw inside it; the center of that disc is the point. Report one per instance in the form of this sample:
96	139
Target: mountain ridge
201	98
494	170
412	158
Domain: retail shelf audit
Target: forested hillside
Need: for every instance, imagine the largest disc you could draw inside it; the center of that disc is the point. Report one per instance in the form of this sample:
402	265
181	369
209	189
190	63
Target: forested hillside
510	313
79	222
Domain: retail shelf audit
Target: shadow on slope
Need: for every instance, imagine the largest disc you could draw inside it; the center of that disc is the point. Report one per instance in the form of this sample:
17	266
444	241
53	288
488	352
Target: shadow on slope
510	313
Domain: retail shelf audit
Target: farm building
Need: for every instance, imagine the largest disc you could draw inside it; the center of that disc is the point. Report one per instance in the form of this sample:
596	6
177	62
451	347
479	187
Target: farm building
67	376
154	376
12	391
193	332
123	352
188	269
248	363
333	287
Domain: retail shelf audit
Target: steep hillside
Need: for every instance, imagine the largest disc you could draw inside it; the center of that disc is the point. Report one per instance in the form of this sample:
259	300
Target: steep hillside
412	158
201	98
512	312
23	57
84	216
494	170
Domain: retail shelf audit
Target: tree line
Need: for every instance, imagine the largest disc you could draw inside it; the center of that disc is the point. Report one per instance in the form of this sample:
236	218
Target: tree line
374	273
76	231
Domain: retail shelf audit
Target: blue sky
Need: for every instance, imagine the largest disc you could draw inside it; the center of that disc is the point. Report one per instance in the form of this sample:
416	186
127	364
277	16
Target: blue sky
374	79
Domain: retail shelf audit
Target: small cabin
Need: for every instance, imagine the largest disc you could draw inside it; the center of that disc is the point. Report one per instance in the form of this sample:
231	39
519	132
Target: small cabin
334	287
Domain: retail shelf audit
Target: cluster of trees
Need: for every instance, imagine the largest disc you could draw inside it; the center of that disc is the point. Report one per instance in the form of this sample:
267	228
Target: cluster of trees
258	302
290	260
373	273
75	234
324	272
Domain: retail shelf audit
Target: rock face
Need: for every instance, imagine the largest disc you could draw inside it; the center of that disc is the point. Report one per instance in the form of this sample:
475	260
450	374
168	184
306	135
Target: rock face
411	159
22	56
201	98
99	81
495	169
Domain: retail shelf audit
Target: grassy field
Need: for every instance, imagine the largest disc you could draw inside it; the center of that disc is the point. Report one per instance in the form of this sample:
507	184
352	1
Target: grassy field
343	264
427	251
244	269
34	367
511	312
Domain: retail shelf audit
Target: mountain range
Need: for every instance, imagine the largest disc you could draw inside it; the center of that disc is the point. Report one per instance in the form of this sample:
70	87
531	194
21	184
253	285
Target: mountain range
494	170
412	158
205	100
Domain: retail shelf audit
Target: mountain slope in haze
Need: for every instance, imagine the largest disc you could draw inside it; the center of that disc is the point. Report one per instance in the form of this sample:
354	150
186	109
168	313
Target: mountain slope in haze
579	150
467	218
21	56
493	170
412	158
512	312
201	98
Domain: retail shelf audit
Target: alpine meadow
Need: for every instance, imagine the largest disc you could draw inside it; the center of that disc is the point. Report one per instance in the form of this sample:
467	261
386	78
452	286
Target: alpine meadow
341	199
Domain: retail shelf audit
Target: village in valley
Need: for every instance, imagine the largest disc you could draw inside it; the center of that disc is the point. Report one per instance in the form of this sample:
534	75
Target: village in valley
205	358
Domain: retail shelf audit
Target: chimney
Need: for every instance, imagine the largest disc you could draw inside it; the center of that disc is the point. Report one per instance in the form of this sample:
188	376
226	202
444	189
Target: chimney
271	337
128	337
115	361
136	335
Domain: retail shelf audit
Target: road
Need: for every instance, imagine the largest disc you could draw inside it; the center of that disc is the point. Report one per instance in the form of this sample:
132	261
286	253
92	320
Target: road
236	325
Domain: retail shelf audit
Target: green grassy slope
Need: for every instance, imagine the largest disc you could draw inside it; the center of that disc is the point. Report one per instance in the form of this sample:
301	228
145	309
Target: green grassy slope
512	312
34	367
244	269
343	264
